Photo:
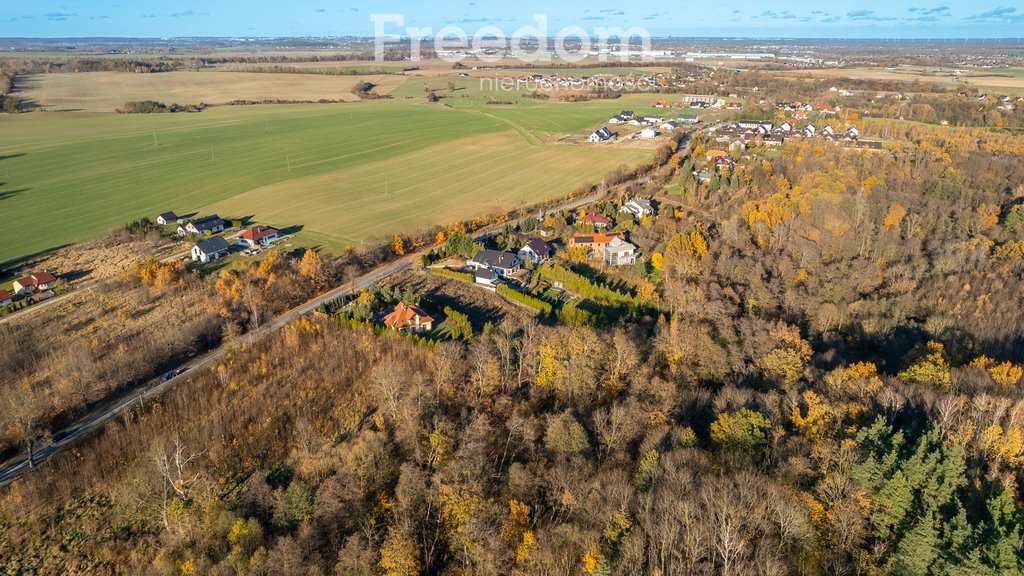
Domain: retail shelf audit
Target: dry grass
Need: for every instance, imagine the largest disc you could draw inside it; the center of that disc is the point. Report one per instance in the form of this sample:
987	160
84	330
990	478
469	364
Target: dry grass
108	91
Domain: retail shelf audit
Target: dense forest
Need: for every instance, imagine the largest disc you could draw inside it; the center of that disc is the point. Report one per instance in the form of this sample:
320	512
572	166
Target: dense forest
825	378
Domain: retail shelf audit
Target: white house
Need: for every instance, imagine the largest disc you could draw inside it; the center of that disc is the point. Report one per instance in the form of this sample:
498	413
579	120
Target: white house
503	263
852	133
688	119
535	250
618	252
35	282
810	131
486	276
648	133
258	236
638	207
166	218
210	250
601	135
670	126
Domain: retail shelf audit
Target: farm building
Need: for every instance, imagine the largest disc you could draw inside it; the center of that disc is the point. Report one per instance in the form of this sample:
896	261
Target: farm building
210	250
407	318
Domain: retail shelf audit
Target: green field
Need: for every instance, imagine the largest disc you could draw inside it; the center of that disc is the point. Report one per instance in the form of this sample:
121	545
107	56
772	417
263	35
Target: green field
342	172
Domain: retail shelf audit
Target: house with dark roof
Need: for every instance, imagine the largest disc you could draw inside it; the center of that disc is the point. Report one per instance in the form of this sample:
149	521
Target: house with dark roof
210	250
258	236
502	263
535	250
35	282
407	318
601	135
167	218
485	276
203	226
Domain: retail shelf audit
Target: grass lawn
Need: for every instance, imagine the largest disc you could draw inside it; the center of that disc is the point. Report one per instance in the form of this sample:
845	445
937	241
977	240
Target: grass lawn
343	173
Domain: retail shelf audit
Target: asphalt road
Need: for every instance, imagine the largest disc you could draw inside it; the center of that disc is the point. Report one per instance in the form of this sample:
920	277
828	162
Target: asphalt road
103	414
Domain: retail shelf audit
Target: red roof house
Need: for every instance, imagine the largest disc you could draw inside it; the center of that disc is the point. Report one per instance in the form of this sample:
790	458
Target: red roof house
37	281
407	318
259	236
6	297
596	219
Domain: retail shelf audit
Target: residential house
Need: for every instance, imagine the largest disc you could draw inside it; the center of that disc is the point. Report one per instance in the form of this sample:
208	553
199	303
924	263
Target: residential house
618	252
755	124
662	104
546	231
503	263
6	298
653	120
210	250
536	250
203	226
827	132
670	125
486	276
688	119
35	282
810	131
601	135
594	243
259	236
852	133
618	120
828	111
410	319
595	219
638	207
167	218
648	133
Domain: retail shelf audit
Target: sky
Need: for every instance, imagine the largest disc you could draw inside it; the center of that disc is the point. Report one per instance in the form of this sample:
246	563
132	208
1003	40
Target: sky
736	18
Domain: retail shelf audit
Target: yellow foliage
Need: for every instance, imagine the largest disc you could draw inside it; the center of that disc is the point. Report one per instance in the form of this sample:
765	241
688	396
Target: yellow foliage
1002	447
871	182
523	550
439	239
188	568
818	417
1005	374
399	555
397	245
801	277
657	261
1010	251
861	377
989	214
550	371
894	217
590	560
